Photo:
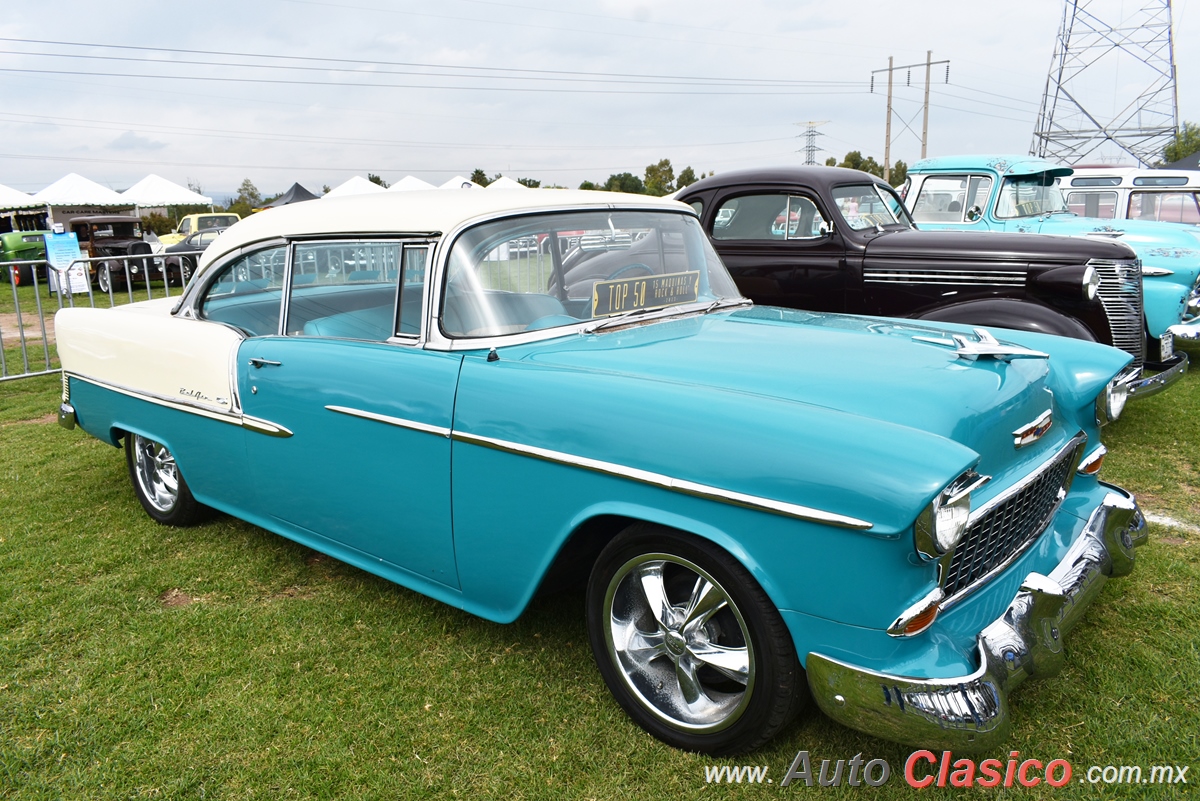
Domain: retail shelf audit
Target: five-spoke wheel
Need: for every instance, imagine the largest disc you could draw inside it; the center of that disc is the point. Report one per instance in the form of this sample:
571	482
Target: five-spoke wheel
689	644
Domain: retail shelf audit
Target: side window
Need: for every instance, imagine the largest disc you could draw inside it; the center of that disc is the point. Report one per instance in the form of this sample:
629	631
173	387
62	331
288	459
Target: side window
345	290
1178	207
698	205
942	199
1093	204
185	227
248	292
412	289
769	218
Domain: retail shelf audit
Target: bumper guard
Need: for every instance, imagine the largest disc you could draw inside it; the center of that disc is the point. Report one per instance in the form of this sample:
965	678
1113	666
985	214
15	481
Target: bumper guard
1171	371
971	713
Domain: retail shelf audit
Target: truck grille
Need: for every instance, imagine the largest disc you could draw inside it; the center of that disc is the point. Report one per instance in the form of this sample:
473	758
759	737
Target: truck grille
1007	525
1121	295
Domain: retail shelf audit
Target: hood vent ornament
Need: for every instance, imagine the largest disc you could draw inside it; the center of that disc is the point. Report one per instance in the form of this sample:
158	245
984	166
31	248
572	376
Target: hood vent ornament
985	346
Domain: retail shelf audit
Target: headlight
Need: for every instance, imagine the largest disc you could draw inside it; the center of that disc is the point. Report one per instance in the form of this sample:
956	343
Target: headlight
1111	402
944	522
1091	283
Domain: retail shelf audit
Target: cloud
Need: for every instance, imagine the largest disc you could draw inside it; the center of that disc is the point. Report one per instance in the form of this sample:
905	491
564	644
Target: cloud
131	141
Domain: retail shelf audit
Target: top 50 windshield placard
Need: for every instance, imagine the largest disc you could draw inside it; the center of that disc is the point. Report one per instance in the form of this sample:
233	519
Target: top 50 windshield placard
644	292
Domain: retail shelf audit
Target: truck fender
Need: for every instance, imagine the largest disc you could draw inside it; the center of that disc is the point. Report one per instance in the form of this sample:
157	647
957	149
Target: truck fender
1010	313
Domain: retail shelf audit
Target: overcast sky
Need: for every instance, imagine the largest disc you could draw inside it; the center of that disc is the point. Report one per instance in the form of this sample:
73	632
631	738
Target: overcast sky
558	91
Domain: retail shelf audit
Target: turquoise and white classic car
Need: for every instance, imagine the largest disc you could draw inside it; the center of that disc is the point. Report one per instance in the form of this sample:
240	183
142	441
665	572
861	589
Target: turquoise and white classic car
1023	194
901	519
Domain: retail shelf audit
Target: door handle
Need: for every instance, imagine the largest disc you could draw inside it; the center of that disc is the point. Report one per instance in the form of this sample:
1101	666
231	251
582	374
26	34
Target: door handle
258	363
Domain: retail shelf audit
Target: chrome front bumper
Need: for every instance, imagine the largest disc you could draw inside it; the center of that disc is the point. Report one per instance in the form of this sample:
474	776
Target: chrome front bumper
1171	371
971	713
1189	330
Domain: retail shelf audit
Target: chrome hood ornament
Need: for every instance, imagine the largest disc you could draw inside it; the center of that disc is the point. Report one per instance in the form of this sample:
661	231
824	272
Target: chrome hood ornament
984	346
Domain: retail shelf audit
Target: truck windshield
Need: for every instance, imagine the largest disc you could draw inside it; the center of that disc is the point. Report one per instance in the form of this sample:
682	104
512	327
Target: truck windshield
1029	196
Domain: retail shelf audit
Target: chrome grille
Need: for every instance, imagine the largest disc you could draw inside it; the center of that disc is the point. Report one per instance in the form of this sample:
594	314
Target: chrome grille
1121	294
1006	526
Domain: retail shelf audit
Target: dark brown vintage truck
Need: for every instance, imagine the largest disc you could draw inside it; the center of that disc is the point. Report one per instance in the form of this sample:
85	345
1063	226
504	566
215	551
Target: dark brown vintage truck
834	239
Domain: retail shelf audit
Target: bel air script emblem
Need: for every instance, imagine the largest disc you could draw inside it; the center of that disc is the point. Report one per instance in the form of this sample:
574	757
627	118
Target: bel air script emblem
1034	431
197	395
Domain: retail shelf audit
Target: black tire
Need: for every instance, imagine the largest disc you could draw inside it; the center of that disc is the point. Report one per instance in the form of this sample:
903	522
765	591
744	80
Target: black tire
647	664
159	484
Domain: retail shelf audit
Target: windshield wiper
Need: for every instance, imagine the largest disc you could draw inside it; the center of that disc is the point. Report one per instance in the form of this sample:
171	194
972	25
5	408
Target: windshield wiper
726	303
618	319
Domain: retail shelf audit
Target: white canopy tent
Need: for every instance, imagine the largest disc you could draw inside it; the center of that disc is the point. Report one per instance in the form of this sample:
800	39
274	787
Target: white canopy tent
355	186
13	199
459	182
75	196
504	182
409	183
155	192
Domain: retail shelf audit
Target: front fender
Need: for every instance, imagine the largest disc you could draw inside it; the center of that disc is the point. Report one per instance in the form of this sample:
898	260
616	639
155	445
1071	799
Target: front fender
1019	315
1165	301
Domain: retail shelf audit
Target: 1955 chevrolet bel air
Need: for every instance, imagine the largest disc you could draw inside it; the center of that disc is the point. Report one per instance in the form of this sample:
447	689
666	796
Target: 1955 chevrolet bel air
520	389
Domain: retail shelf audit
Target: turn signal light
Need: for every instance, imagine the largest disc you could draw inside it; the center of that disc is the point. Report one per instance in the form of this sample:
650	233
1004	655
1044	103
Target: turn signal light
922	621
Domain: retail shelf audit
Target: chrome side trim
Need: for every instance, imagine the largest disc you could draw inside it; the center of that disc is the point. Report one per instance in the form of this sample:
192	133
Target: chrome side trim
944	278
244	421
667	482
170	403
264	427
1156	271
400	422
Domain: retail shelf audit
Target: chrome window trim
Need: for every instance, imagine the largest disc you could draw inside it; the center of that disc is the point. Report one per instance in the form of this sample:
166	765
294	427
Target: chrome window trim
399	422
436	340
187	306
667	482
968	176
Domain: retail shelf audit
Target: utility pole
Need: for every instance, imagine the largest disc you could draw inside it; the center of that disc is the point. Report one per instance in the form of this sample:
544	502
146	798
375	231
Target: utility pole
925	122
887	142
891	69
810	140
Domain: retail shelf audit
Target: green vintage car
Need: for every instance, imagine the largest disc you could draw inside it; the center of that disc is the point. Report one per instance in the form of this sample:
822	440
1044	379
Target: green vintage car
18	245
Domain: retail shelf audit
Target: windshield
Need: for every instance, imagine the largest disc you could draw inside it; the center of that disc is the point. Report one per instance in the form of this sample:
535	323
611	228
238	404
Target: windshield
870	205
551	270
1029	196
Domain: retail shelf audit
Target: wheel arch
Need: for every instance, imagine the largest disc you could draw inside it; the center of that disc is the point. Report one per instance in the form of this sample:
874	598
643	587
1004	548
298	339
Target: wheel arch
1020	315
597	525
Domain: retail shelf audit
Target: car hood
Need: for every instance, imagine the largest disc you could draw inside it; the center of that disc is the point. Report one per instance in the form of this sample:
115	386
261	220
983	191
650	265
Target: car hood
805	390
1159	244
961	246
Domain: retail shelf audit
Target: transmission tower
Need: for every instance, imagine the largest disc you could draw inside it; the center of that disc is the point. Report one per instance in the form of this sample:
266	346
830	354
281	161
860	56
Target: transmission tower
1111	83
811	133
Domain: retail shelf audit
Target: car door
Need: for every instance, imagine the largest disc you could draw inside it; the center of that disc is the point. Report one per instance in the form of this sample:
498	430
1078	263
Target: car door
780	248
349	418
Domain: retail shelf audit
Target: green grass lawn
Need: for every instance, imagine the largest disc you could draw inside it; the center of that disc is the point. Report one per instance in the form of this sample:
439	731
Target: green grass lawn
225	662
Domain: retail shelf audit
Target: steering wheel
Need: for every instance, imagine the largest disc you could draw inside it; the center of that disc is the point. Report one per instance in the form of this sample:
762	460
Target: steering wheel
636	268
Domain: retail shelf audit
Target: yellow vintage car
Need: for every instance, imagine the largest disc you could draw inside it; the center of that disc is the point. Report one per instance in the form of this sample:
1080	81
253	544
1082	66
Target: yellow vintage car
198	222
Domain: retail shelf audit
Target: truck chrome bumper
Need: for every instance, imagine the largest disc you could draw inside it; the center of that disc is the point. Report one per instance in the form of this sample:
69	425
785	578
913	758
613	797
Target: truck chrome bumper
1189	330
1171	371
971	712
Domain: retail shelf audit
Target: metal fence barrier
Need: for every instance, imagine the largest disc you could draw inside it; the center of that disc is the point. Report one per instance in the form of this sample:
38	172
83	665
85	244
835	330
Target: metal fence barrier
30	322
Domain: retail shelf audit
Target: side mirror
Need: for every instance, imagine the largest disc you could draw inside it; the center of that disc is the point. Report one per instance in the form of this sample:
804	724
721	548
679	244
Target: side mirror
974	213
825	228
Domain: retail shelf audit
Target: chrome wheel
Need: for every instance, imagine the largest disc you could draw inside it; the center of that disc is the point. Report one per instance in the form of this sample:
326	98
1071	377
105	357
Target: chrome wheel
104	278
156	473
679	642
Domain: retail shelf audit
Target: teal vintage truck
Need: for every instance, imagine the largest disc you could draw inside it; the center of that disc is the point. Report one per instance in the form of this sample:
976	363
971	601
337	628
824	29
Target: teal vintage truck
1022	194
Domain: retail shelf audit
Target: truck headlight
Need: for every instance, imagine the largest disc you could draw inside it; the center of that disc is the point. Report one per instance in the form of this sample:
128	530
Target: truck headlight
941	526
1091	283
1111	402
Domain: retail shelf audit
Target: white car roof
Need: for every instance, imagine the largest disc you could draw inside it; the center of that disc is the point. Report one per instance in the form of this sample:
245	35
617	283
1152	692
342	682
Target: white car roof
432	211
1129	174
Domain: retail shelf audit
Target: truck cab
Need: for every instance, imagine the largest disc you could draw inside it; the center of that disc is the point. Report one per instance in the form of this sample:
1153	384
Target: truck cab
1025	194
